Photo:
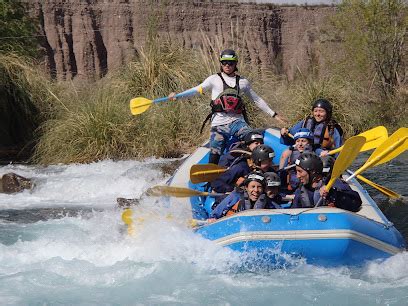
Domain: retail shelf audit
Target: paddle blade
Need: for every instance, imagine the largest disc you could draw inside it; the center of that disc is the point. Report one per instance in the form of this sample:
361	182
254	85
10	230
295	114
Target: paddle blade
375	133
374	137
346	157
139	105
127	219
384	190
390	148
205	173
170	191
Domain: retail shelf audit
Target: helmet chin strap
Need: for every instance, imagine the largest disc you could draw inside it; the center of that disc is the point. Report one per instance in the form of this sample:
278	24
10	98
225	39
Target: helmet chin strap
313	178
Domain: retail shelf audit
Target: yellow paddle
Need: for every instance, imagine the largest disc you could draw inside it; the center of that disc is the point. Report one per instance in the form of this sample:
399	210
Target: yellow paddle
205	172
396	144
347	155
127	219
140	104
375	137
179	192
384	190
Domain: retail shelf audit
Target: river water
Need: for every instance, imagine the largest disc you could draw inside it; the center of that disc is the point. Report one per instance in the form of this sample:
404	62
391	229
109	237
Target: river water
64	243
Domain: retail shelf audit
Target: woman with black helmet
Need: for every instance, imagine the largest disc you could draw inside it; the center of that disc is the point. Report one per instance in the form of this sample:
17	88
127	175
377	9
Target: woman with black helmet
340	195
327	133
272	187
228	116
309	169
252	197
261	159
243	149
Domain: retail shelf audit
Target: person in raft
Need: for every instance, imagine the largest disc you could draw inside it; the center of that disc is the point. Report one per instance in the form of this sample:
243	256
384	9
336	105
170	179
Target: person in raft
228	115
242	149
303	143
274	199
252	197
309	169
327	133
260	159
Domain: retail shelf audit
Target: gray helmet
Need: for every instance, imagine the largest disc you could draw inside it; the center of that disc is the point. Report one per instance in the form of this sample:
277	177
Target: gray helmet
325	104
272	179
253	136
261	153
310	162
328	162
256	176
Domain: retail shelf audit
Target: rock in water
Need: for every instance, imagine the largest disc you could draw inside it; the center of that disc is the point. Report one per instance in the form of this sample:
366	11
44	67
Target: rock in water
122	202
12	183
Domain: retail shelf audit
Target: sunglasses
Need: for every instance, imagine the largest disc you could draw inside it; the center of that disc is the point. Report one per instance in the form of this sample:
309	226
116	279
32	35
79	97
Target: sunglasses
231	63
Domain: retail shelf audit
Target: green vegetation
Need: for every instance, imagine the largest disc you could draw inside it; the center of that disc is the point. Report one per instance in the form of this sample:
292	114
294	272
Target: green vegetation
68	122
17	29
372	35
26	100
98	124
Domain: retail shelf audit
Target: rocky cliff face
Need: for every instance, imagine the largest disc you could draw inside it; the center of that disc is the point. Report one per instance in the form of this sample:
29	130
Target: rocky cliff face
87	38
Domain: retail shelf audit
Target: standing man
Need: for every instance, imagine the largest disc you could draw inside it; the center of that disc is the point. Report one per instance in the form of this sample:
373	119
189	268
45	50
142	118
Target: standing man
228	115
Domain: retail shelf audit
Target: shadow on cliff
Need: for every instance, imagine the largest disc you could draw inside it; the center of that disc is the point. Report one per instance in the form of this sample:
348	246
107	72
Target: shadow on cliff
21	85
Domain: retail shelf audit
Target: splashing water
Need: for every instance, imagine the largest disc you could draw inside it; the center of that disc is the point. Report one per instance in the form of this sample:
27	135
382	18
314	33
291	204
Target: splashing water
64	243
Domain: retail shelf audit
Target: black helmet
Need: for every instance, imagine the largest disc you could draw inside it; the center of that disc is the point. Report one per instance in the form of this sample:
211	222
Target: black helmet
262	152
310	162
328	162
325	104
253	136
228	55
272	179
256	176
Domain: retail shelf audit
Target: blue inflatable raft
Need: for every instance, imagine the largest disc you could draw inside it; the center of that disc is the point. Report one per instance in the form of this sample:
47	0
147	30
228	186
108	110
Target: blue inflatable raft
322	236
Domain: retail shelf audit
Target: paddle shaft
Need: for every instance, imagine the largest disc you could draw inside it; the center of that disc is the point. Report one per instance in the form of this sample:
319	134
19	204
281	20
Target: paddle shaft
346	157
179	192
185	94
384	190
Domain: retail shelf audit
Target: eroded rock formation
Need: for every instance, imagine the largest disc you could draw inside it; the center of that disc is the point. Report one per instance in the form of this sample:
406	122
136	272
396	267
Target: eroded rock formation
87	38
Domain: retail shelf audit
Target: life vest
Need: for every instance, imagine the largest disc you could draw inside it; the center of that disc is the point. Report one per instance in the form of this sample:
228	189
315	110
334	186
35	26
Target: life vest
306	198
244	203
323	132
228	101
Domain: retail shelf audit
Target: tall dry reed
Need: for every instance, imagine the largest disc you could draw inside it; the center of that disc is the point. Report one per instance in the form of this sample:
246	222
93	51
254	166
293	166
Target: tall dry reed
88	122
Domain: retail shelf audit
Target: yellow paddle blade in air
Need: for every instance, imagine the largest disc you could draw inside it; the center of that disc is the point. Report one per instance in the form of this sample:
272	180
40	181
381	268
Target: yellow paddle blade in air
205	172
374	137
389	149
139	105
348	154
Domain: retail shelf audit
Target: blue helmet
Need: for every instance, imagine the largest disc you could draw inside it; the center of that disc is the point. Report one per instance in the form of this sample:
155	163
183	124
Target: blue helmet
303	133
